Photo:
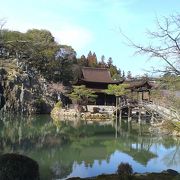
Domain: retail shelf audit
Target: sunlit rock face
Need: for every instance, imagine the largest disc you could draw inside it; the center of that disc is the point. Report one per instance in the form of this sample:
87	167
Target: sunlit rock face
25	91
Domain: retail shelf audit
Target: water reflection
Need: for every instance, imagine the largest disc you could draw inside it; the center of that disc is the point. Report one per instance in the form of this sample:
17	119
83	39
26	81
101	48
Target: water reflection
80	149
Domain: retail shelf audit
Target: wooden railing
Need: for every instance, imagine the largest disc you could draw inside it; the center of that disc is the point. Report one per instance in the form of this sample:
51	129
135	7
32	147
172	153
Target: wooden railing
162	109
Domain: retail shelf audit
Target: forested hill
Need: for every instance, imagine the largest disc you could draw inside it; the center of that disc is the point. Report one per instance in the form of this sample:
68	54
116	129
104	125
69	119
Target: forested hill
34	69
39	50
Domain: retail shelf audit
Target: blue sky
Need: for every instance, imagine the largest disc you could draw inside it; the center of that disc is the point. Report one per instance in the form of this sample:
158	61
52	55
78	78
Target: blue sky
93	25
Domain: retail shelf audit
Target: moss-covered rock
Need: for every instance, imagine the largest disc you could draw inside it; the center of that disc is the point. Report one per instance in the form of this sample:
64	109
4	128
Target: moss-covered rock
18	167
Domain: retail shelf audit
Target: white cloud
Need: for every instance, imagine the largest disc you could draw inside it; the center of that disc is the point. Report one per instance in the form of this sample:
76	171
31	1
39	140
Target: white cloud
76	36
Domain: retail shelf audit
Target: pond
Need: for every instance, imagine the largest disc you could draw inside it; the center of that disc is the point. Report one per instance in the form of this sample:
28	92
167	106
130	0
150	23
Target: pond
66	149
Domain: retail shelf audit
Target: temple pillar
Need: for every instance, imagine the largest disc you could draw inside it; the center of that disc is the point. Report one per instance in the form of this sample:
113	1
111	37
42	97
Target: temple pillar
149	94
137	95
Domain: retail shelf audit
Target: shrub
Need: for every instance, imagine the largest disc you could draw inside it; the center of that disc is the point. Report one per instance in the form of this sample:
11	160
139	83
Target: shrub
124	169
58	104
14	166
96	110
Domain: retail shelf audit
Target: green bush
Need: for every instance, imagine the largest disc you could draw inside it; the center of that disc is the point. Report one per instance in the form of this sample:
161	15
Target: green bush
58	104
125	171
96	110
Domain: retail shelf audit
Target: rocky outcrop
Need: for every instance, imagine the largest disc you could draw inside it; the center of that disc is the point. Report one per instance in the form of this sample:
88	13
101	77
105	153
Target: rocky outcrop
25	91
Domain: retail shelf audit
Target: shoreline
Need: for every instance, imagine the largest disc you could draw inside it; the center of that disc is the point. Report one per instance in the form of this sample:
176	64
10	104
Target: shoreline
168	174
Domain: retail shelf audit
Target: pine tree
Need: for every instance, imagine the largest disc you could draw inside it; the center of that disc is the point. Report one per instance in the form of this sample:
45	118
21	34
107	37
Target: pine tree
110	62
92	59
129	75
102	63
123	75
82	61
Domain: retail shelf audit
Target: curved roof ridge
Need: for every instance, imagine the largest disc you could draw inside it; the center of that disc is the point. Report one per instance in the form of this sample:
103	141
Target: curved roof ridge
101	75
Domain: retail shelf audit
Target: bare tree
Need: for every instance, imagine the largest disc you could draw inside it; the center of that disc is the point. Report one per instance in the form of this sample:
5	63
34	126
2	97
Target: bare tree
164	44
2	23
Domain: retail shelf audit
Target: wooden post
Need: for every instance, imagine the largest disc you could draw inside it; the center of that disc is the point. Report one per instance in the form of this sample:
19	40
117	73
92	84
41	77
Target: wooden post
149	93
137	95
129	114
116	128
116	117
129	126
139	117
116	106
140	129
131	94
152	117
120	115
120	110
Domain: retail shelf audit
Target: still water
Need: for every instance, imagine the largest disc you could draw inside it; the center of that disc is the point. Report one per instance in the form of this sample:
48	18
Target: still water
65	149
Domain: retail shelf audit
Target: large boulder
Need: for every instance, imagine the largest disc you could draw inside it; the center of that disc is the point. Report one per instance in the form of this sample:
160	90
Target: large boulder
18	167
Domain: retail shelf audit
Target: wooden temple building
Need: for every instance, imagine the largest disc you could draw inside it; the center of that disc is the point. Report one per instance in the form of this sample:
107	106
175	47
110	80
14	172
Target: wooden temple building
140	90
98	80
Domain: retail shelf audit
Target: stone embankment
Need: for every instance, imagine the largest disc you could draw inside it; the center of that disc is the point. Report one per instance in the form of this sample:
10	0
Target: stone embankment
61	114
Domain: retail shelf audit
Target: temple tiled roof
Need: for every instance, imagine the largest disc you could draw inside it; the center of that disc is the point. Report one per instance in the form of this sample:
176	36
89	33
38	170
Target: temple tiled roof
100	75
139	84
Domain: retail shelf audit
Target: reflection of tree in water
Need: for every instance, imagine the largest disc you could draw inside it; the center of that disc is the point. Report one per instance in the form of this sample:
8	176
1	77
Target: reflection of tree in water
24	132
136	147
172	158
41	140
53	162
58	147
60	170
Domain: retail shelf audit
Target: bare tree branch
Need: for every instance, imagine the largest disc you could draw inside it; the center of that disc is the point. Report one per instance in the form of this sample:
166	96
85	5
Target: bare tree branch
164	43
2	23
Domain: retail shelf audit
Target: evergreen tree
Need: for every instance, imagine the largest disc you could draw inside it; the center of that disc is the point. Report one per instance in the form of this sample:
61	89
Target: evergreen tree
82	95
92	59
129	75
82	61
113	70
109	62
102	63
119	72
118	91
123	75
